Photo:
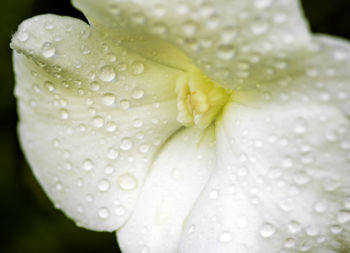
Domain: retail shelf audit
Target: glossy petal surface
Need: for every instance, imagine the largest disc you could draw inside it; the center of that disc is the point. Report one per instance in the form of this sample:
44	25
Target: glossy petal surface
177	177
236	43
92	117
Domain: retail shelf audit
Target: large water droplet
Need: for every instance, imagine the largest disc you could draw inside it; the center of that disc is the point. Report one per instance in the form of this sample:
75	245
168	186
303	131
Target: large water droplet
106	73
48	49
127	182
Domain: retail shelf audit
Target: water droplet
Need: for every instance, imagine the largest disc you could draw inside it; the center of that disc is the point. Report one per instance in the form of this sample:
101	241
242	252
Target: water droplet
22	35
267	230
111	126
144	148
124	104
225	237
320	207
49	86
347	203
112	154
294	227
127	182
103	212
137	68
48	49
106	73
120	211
126	144
226	52
108	99
137	123
98	122
95	86
138	94
89	198
103	185
88	165
300	126
59	187
64	114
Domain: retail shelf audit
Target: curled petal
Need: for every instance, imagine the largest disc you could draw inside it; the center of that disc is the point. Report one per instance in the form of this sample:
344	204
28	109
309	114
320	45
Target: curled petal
92	117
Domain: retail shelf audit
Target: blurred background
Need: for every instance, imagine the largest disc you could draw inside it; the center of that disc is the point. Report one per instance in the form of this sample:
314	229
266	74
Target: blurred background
28	221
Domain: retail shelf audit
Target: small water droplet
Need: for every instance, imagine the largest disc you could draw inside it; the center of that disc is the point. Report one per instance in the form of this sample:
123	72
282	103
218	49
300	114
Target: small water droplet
64	113
48	49
267	230
225	237
144	148
103	185
138	94
108	99
106	73
120	210
22	35
127	181
124	104
112	154
126	144
137	68
226	52
103	212
98	122
88	165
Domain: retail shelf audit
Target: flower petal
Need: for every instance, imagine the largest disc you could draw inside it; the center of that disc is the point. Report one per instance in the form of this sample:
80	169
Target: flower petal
92	117
177	177
236	43
280	182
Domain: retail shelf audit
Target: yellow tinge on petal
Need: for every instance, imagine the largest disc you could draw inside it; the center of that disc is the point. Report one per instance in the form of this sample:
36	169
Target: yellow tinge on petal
199	100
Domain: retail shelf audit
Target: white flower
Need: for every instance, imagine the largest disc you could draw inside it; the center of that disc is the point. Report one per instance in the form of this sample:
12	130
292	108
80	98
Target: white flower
190	126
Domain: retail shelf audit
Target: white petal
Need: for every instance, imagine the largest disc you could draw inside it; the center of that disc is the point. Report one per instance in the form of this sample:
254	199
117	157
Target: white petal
280	183
92	117
236	43
177	177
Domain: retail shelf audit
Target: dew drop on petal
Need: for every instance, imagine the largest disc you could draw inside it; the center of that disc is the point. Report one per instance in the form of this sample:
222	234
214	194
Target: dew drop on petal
137	68
225	237
87	165
126	144
108	99
103	185
127	181
103	212
267	230
106	73
98	122
120	210
48	49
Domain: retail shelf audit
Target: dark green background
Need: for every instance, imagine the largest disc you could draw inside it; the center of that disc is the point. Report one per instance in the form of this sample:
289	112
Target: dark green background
28	221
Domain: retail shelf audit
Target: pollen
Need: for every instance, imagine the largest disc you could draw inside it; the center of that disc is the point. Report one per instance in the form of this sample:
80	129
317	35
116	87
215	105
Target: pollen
199	100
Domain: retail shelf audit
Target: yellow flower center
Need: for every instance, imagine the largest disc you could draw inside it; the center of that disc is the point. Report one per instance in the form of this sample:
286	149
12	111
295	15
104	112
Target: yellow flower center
199	100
